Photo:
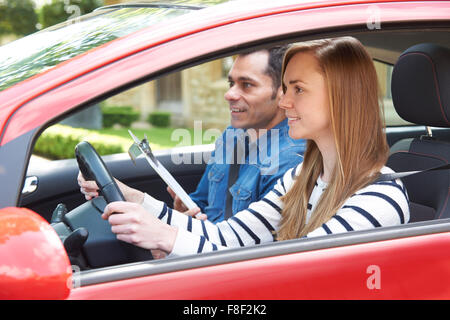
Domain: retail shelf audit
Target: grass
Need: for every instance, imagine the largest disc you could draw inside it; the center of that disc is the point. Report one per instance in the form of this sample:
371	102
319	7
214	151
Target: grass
159	138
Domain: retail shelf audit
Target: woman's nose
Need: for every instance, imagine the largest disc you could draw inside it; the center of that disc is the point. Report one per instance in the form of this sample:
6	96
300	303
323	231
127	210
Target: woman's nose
284	102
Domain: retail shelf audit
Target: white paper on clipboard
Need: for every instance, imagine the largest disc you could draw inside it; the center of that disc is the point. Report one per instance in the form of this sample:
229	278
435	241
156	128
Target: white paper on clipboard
144	148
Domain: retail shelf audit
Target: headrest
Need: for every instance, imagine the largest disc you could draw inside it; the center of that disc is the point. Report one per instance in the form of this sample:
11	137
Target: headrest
421	85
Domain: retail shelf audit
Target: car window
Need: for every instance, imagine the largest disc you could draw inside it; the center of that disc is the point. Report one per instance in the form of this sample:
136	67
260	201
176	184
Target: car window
384	72
179	109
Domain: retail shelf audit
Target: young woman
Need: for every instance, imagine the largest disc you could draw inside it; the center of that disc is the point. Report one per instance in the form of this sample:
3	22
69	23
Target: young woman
330	98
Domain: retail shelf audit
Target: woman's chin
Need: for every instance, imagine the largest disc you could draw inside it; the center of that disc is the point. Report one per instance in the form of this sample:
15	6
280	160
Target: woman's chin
295	133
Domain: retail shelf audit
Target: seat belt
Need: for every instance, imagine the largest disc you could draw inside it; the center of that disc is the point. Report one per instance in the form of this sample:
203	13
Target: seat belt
398	175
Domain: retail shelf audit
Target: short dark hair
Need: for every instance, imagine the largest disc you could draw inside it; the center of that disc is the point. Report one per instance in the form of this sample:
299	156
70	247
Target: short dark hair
274	63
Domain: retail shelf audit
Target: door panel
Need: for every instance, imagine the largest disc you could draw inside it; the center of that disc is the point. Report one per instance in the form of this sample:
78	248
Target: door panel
414	267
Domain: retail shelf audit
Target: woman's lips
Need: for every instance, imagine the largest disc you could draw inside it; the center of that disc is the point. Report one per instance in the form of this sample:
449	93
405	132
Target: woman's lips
293	119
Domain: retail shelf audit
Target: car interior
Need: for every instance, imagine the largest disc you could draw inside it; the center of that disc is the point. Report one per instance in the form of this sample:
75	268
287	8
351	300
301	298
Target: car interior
419	80
419	60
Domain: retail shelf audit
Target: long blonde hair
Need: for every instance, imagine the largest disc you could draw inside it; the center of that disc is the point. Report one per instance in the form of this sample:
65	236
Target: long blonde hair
357	125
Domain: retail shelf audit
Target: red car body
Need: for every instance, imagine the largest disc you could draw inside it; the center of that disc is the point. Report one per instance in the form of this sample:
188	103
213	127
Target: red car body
396	263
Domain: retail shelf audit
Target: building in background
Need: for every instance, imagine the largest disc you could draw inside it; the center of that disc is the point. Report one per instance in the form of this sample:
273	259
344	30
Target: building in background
194	94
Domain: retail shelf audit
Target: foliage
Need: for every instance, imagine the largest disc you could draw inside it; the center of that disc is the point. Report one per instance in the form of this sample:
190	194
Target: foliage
159	119
123	115
17	17
61	10
58	142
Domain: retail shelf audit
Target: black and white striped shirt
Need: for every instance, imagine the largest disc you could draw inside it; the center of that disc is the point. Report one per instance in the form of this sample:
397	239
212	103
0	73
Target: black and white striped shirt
377	205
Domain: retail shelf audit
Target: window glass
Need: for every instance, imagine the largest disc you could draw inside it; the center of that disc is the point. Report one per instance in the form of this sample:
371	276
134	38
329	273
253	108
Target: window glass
43	50
180	109
384	72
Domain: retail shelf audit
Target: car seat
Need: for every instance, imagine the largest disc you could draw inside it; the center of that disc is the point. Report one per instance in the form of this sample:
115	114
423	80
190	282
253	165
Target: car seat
421	95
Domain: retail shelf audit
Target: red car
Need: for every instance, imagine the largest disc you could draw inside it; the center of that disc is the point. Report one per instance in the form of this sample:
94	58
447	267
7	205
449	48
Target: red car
49	75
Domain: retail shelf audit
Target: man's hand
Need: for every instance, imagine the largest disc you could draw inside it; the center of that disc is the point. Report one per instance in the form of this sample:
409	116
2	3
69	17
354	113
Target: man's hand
133	224
90	190
194	211
180	207
177	203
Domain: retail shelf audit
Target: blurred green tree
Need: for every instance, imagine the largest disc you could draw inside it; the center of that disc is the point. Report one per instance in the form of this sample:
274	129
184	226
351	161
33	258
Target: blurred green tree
61	10
17	17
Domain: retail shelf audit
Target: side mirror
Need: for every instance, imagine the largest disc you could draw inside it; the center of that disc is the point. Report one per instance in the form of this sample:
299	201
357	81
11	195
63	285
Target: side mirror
33	262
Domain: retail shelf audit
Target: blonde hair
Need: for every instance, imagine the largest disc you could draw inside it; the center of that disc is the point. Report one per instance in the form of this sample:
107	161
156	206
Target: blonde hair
357	125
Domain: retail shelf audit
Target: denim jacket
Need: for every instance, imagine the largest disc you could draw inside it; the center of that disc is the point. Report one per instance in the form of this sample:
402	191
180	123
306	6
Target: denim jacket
262	163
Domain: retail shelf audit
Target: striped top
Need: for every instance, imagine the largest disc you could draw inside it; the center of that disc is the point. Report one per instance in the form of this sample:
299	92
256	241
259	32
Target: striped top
377	205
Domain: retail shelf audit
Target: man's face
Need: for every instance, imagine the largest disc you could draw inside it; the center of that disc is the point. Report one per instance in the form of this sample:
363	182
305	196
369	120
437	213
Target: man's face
251	94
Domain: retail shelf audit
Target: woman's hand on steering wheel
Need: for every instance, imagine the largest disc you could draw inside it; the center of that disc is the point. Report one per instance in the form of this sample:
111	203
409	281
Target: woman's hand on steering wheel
90	190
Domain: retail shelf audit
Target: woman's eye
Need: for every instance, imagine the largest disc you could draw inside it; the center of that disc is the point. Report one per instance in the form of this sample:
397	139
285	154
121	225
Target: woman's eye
246	85
298	90
230	83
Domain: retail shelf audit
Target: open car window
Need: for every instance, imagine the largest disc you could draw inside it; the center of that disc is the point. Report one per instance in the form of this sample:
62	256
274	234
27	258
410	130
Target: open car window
180	109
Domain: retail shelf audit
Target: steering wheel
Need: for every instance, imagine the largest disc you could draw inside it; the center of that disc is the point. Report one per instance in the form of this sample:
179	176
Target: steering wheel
92	167
88	238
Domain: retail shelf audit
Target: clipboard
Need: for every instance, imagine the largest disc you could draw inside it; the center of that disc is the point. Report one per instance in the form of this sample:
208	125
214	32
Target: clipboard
142	147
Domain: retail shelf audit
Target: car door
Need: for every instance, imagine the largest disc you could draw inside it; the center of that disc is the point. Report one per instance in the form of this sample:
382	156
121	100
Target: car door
408	261
365	265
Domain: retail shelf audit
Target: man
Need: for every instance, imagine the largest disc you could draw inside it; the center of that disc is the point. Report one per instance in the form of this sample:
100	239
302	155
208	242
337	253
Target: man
255	151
